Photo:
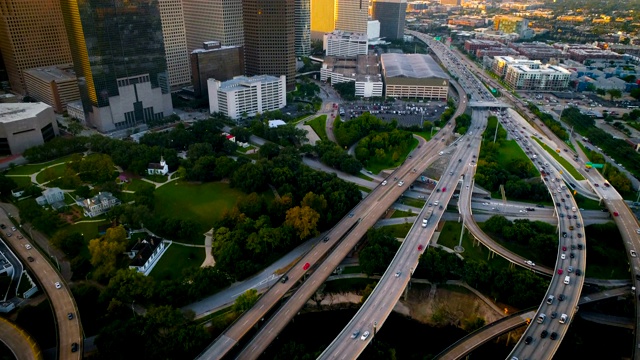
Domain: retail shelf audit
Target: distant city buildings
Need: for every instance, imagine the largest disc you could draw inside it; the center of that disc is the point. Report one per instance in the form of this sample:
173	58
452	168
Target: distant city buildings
525	74
391	15
512	24
32	35
214	61
246	96
55	86
364	70
122	70
341	43
269	43
414	76
25	125
175	43
207	20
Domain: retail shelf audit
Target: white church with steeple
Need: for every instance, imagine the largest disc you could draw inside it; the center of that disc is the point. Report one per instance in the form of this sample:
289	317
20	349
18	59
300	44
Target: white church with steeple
158	168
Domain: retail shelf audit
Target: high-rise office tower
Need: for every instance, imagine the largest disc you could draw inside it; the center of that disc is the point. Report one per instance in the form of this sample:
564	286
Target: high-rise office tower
323	19
303	27
207	20
352	15
175	42
269	38
119	56
32	34
391	14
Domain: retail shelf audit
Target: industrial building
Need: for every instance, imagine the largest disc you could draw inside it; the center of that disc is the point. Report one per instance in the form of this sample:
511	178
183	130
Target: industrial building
341	43
25	125
215	61
55	86
413	76
246	96
364	70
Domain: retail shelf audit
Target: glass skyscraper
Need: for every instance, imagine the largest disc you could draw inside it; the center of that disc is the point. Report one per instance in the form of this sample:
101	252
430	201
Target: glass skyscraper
119	56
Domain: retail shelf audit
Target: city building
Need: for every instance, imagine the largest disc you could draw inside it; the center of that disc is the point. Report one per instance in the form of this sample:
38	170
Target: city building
582	52
76	111
373	29
215	61
413	76
473	45
98	204
205	20
145	253
467	21
122	70
537	77
501	63
175	43
340	43
25	125
303	27
246	96
496	51
269	39
322	18
53	85
539	51
510	24
391	14
51	196
352	15
364	70
32	34
451	2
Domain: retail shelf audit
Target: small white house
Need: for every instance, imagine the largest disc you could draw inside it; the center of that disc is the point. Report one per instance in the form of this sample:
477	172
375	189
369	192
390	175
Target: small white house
145	254
276	123
50	196
160	168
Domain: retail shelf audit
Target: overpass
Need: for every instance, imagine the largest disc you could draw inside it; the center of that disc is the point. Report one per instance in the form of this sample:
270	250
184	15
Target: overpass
610	320
474	340
21	344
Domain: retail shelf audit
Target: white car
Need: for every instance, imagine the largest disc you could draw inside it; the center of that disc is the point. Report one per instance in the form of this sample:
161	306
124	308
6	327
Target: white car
384	183
57	284
364	336
563	256
633	253
27	246
401	183
530	263
637	231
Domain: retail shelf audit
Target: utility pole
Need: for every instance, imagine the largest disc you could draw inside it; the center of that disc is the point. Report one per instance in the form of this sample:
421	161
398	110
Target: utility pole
495	134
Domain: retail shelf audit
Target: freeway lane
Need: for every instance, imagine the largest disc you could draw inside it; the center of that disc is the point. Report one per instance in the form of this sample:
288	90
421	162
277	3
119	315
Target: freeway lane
374	312
69	331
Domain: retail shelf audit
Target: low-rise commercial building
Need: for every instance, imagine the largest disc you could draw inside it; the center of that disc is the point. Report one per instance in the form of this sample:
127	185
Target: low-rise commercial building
473	45
24	125
215	61
246	96
55	85
364	70
341	43
413	76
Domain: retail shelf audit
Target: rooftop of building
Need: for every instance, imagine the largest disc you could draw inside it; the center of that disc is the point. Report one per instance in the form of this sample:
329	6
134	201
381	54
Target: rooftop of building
245	81
417	66
57	73
544	69
362	68
345	35
483	42
144	249
18	111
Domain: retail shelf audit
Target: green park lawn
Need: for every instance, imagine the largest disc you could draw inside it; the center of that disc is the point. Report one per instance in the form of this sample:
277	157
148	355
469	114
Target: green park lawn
136	185
401	214
88	229
509	151
399	230
319	125
51	173
21	181
450	237
176	259
576	175
419	203
203	203
423	134
377	165
34	168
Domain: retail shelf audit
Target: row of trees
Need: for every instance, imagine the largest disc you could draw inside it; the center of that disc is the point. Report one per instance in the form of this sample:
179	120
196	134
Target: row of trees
462	124
349	132
550	122
376	147
333	155
537	236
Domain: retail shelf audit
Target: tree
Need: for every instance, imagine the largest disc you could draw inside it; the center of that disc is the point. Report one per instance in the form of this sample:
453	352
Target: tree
304	220
70	243
75	127
128	285
105	251
245	301
614	93
635	93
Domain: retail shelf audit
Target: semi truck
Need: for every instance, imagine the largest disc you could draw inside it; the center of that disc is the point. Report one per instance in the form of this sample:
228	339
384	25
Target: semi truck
425	221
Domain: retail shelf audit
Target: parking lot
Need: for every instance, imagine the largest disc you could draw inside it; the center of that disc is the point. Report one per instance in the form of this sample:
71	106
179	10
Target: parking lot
407	113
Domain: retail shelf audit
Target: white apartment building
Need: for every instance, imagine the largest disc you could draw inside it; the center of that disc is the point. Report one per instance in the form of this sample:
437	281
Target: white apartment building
537	77
500	63
246	96
340	43
175	42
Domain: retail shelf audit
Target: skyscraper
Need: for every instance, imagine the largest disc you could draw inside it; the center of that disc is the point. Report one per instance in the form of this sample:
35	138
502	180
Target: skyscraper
269	38
323	19
175	42
303	27
352	15
32	34
207	20
391	14
119	56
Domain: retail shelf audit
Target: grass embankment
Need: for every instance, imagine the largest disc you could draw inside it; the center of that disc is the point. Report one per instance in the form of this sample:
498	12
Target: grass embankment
177	258
34	168
565	164
450	237
319	125
376	165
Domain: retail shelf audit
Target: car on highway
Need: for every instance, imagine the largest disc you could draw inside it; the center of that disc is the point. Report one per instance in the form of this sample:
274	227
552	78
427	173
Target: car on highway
553	336
13	228
615	213
306	266
445	189
561	297
364	336
563	256
564	248
74	347
326	238
398	273
31	259
384	183
284	279
8	234
401	183
420	247
578	272
355	334
27	246
58	285
560	271
530	263
633	253
70	316
544	334
528	340
3	226
563	318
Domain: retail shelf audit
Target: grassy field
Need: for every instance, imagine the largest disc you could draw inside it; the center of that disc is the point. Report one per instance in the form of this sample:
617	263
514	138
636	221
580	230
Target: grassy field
21	181
34	168
400	230
413	202
319	125
377	166
423	134
509	151
203	203
177	258
519	249
89	229
51	173
401	214
562	161
587	204
450	237
137	184
364	188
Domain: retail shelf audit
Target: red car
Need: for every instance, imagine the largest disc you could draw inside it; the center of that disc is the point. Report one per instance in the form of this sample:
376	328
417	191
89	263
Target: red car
564	248
615	213
444	189
420	247
559	271
306	266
